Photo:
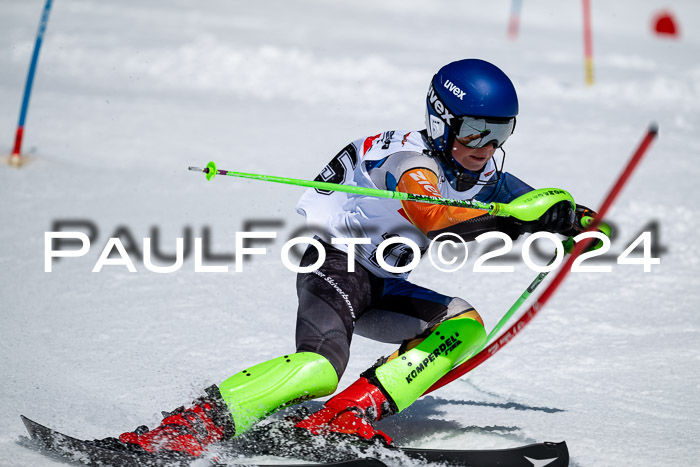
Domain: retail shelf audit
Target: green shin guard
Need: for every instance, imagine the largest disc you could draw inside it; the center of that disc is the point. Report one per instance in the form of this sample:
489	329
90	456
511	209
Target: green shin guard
262	389
409	375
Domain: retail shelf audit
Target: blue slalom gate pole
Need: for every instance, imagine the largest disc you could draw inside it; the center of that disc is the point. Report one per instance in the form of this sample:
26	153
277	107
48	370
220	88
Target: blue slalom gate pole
15	157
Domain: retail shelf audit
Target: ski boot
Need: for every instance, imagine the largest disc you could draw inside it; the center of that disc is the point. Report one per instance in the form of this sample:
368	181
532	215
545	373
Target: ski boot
352	412
183	431
394	383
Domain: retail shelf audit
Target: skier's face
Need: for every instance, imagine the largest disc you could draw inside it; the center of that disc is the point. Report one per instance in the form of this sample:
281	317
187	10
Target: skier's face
473	159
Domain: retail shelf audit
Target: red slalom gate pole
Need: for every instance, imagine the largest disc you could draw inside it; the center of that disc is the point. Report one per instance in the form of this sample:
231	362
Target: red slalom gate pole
514	21
588	42
518	326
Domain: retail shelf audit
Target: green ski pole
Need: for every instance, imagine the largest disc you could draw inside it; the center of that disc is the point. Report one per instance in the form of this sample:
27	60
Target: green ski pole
511	311
528	207
568	247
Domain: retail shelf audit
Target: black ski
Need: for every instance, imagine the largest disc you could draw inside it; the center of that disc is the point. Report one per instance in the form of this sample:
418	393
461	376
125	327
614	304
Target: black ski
539	454
87	452
280	438
343	455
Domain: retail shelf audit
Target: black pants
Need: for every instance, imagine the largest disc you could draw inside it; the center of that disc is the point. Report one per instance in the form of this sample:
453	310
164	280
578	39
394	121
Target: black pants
335	303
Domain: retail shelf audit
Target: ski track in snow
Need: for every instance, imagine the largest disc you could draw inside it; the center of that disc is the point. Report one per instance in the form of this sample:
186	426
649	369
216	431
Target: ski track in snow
128	95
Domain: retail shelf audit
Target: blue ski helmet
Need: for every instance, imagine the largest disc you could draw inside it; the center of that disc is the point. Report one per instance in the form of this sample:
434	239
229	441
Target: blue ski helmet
470	88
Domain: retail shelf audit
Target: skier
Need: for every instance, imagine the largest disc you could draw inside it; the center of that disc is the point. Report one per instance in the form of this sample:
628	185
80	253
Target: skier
471	112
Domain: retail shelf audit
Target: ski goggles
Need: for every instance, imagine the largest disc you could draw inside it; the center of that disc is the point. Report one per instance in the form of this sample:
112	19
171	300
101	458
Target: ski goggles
476	132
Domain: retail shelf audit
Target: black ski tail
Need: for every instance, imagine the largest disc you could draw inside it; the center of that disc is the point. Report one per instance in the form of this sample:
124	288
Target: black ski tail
91	453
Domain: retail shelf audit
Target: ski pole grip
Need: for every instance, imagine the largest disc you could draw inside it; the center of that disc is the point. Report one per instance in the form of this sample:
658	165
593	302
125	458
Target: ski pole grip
586	222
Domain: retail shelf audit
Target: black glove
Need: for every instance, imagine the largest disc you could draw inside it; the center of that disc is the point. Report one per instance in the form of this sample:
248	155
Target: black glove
557	219
581	212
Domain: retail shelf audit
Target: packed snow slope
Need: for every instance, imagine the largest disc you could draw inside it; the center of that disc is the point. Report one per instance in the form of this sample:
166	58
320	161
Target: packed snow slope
129	94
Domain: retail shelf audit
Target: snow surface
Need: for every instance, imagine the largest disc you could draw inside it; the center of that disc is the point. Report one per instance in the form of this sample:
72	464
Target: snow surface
130	93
